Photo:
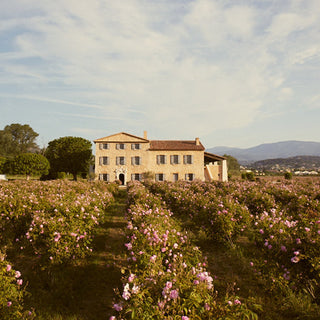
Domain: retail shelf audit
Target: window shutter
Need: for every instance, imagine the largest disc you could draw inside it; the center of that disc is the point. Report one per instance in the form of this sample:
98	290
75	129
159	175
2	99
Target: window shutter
132	176
100	161
100	146
178	159
164	177
124	161
184	159
132	161
158	159
171	159
117	146
191	159
117	160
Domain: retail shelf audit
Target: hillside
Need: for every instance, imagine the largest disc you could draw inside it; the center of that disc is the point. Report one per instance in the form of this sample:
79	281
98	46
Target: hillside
284	149
298	163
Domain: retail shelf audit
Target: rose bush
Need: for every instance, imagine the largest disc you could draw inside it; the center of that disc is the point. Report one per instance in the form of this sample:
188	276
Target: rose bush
166	276
11	293
53	220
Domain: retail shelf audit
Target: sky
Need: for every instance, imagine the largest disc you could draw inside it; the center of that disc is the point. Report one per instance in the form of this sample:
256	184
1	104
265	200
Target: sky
234	73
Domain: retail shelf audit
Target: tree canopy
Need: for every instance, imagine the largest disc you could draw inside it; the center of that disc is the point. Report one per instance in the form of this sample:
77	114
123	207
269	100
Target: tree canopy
69	154
233	165
28	164
16	139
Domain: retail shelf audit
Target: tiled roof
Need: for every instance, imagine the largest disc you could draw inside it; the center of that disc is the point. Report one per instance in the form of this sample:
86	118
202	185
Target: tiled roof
175	145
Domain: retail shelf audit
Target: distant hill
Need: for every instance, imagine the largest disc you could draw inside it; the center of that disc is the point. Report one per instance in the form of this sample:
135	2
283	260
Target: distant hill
298	163
284	149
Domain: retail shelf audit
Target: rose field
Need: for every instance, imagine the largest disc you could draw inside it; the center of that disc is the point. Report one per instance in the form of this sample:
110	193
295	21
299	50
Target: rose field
184	250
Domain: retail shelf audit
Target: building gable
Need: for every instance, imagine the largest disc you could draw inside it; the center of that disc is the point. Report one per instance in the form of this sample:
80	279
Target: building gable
122	137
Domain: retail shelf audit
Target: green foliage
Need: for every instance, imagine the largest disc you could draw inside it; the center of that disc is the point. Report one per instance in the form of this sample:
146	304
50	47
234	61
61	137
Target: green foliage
233	164
28	164
16	139
248	176
2	164
69	154
288	175
11	293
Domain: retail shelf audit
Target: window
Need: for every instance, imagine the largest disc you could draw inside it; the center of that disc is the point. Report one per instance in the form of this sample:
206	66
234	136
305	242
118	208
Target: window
104	146
103	161
175	159
161	159
135	161
188	159
136	177
120	146
104	177
160	177
189	177
135	146
120	161
175	177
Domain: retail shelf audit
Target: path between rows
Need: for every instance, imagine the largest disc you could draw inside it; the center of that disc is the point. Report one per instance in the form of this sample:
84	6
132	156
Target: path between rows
86	291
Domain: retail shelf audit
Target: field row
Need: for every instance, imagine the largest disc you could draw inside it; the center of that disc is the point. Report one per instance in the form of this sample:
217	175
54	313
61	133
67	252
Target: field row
46	224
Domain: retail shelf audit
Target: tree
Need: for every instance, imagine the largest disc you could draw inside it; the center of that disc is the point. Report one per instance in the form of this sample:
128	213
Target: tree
16	139
233	165
288	175
28	164
2	164
69	154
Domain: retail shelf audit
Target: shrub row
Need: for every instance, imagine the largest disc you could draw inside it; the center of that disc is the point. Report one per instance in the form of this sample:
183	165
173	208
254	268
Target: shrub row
166	276
282	222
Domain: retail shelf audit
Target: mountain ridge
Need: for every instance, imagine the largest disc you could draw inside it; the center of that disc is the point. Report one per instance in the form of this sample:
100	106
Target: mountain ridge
282	149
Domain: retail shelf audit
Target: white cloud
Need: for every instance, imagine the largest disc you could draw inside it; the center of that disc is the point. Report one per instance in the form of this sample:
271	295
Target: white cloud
196	66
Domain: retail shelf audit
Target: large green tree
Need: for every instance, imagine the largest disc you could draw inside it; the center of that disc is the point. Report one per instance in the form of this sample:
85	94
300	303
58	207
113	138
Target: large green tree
28	164
16	139
69	154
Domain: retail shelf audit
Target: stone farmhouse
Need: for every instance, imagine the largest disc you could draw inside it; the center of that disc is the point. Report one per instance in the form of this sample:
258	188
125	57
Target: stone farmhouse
126	157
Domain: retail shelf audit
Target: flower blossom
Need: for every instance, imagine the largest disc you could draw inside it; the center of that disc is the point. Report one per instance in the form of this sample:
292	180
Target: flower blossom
118	307
135	289
126	294
174	294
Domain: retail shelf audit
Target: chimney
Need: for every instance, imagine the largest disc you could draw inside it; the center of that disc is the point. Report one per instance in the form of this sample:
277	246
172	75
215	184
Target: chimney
145	136
197	142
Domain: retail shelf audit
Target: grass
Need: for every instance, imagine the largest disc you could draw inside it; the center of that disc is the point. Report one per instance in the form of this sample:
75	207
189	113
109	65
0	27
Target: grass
83	291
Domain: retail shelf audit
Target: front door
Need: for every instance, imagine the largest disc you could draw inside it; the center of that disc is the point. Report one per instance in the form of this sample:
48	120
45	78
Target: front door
121	178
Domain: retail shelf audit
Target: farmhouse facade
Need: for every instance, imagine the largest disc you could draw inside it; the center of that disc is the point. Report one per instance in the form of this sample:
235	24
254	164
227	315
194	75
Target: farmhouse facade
126	157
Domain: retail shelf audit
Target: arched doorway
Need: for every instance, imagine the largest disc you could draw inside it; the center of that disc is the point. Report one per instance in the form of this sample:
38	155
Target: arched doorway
121	178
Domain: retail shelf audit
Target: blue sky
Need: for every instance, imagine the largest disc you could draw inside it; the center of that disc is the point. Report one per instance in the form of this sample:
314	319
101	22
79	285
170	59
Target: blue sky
232	72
